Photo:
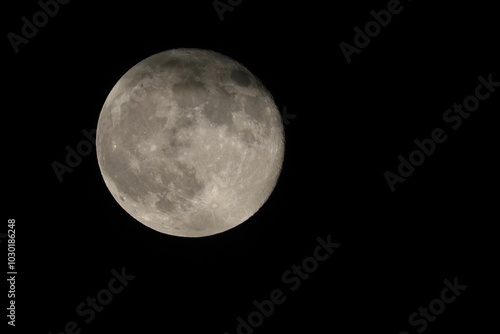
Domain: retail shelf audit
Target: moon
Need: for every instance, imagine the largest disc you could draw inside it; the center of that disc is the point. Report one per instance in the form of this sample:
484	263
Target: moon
190	143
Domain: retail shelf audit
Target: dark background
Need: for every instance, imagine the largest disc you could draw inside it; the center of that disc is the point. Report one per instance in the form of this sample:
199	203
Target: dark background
353	120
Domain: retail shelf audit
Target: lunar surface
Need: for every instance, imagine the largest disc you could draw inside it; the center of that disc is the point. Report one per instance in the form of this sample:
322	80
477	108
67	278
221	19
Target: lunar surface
190	143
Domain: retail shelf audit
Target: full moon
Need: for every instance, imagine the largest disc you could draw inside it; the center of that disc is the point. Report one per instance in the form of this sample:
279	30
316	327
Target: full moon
190	143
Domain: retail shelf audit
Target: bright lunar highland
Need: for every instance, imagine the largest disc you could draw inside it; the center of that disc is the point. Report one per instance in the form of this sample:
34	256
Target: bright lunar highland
190	143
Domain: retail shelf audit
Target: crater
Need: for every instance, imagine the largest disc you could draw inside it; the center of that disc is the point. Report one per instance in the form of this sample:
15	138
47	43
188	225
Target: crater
241	78
190	93
187	184
220	107
247	137
164	205
170	64
184	121
256	108
182	186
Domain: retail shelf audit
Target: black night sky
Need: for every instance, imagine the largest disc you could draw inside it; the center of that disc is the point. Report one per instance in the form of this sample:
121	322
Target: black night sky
391	249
